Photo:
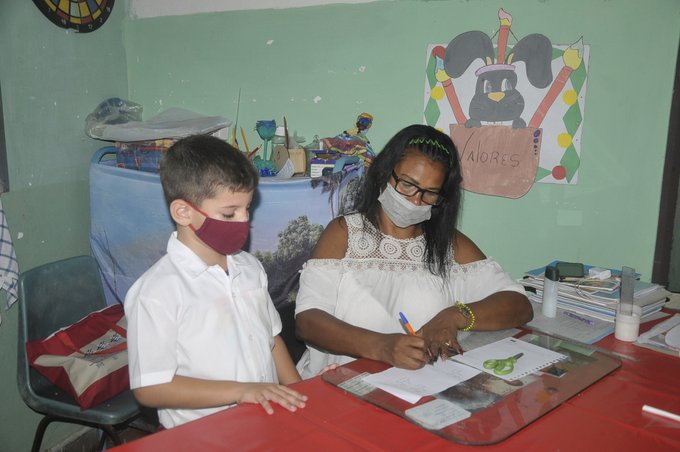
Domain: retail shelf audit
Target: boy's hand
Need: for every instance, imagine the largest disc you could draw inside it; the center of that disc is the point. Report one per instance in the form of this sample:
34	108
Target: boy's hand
327	368
263	393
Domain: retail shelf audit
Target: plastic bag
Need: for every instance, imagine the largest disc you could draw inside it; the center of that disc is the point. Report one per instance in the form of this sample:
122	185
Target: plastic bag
172	123
111	111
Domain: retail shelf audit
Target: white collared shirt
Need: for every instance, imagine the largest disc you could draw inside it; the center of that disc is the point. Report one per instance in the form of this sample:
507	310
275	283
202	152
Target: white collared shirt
187	318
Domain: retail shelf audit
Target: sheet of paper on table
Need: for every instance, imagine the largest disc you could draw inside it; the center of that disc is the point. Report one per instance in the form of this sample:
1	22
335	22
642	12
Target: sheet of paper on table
411	385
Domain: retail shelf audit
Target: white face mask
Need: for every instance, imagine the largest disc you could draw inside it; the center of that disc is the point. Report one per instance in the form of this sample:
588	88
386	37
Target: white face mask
401	211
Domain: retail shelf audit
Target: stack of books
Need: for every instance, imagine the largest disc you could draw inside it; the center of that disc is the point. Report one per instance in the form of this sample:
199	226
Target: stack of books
594	297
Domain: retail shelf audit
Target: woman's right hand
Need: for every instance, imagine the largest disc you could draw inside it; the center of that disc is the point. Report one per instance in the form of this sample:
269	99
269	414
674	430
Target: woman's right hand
405	351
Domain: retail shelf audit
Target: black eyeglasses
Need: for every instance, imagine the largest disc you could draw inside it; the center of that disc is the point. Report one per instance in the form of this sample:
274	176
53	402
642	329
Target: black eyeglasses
408	189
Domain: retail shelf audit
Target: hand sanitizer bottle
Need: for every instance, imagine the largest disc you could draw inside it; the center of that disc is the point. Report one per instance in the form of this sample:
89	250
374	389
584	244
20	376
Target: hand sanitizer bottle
550	281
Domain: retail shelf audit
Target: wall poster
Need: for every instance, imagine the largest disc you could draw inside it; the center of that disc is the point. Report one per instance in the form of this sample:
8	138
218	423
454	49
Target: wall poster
515	111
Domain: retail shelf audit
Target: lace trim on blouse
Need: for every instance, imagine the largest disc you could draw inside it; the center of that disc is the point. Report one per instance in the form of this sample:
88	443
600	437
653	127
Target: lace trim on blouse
346	264
368	248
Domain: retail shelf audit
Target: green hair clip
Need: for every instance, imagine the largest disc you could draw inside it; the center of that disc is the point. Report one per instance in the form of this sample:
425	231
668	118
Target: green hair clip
429	141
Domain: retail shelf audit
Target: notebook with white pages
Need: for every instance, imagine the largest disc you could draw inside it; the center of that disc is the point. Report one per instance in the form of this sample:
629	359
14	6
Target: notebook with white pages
533	358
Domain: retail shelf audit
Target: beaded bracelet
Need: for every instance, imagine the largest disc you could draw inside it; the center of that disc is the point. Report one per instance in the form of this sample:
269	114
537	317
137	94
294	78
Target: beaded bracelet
467	313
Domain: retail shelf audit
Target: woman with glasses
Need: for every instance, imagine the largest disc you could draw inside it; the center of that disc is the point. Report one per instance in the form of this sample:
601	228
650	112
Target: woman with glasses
401	257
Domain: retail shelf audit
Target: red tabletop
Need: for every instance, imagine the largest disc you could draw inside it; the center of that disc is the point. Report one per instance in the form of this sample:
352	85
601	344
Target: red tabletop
606	416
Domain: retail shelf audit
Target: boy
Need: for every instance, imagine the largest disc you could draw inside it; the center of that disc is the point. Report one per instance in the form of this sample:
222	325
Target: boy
202	329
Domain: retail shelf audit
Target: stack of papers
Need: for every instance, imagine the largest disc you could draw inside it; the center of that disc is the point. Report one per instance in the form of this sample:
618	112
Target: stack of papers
596	299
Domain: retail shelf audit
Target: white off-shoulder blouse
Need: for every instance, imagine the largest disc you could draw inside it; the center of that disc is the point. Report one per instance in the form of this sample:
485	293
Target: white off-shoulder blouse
381	276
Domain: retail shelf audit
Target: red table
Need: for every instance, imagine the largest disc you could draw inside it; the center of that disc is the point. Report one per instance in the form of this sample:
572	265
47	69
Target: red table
605	416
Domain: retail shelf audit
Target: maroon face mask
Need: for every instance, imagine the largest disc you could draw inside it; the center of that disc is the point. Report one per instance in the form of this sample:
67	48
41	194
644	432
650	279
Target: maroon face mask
225	237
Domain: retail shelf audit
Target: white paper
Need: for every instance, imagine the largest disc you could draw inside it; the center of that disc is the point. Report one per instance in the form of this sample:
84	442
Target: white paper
411	385
437	414
662	327
657	335
533	359
673	337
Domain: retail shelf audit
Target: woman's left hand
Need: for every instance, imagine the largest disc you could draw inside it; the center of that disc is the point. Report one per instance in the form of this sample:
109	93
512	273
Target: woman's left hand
441	333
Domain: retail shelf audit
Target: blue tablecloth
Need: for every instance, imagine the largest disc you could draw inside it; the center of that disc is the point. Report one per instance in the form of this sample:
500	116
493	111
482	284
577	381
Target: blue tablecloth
130	223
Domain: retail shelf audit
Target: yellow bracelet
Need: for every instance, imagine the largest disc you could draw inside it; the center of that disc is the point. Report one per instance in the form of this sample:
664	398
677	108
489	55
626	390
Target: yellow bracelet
468	314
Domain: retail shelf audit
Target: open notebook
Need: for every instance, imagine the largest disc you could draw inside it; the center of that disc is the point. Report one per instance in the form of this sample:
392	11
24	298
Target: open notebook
533	359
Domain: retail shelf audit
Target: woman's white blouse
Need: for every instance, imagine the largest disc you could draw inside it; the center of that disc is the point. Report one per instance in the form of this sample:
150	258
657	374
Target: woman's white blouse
381	276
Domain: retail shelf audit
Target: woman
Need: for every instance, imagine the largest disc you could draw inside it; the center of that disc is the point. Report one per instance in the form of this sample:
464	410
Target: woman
402	253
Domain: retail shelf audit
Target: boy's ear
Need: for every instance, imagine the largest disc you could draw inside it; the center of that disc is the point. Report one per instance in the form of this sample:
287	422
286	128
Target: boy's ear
181	212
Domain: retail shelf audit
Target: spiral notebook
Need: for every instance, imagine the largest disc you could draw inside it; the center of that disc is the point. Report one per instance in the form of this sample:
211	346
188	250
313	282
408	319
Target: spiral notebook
533	359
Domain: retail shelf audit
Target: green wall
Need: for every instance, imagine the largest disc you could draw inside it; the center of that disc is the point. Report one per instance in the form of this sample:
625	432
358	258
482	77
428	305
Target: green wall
320	67
371	57
51	79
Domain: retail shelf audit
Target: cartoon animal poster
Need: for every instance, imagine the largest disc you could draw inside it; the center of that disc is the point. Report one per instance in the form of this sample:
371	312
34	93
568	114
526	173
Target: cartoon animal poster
514	111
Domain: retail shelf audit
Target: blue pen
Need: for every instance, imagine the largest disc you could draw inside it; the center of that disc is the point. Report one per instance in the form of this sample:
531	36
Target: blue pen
407	325
411	331
579	318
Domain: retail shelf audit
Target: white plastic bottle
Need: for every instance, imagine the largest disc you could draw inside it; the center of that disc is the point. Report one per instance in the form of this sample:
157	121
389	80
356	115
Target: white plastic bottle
550	281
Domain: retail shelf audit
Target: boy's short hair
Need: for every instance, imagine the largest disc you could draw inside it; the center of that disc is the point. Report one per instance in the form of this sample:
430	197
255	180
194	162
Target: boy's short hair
196	166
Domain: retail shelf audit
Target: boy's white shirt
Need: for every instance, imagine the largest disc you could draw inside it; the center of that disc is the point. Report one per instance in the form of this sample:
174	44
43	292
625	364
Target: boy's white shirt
187	318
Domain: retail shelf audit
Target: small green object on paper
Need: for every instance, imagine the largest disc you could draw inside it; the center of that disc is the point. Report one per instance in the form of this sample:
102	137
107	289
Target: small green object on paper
502	366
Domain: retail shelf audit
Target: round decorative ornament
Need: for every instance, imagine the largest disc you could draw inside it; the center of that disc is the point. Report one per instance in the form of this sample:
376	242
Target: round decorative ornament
83	16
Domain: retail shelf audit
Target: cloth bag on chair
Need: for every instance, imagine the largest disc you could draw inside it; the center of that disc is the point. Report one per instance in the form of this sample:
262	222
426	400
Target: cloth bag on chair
87	359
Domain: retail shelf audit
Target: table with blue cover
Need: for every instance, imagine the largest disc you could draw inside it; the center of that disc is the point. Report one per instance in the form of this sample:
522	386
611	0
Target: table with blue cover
130	223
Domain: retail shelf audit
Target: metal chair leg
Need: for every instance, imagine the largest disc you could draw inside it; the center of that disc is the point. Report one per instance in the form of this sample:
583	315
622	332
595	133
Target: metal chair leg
112	434
40	432
110	431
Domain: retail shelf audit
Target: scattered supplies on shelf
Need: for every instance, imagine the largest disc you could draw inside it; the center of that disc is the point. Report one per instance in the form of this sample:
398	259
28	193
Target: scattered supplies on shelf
596	298
141	145
142	155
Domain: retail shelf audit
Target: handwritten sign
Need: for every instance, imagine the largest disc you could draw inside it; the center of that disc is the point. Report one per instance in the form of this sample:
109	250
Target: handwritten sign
497	160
